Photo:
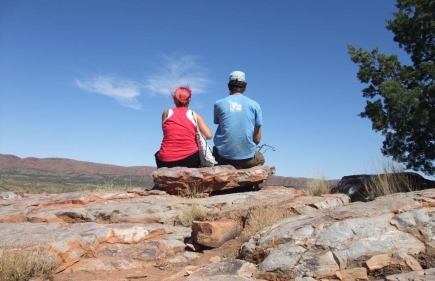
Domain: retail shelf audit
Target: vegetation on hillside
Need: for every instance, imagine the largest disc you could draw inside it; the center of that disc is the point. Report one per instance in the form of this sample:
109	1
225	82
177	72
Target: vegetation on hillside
34	183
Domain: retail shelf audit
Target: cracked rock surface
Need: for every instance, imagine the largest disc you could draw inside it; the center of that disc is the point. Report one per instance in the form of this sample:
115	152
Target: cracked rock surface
286	234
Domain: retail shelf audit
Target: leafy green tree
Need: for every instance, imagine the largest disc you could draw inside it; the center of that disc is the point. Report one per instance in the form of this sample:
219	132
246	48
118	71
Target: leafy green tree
401	98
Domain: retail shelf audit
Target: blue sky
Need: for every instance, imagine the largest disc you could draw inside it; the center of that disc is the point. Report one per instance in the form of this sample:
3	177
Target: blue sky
88	80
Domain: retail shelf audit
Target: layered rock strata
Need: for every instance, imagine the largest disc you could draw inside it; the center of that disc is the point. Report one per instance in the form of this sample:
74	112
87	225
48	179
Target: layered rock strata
181	180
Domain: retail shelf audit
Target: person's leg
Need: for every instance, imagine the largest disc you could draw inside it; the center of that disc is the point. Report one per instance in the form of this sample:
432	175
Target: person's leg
257	160
191	161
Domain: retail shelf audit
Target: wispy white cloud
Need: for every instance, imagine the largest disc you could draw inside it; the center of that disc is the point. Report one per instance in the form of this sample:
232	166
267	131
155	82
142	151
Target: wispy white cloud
124	91
176	72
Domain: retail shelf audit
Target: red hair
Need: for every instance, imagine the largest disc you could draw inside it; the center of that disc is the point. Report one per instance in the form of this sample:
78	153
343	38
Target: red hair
182	96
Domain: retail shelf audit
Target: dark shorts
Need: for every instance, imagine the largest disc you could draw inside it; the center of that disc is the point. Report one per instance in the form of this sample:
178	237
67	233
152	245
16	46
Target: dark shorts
257	160
191	161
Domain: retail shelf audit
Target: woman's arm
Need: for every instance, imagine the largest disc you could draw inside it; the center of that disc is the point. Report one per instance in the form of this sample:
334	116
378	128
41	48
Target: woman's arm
205	130
164	115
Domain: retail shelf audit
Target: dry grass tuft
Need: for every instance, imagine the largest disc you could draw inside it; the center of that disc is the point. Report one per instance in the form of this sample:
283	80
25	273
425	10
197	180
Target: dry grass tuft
193	191
390	178
192	212
259	217
317	186
23	264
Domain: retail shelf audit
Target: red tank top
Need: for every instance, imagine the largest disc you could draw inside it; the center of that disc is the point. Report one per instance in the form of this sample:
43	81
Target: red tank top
178	136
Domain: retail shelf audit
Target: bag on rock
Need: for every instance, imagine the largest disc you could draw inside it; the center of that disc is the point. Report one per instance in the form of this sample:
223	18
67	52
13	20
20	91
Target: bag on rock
206	157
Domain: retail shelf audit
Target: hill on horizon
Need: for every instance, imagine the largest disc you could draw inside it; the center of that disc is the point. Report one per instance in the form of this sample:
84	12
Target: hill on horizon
54	175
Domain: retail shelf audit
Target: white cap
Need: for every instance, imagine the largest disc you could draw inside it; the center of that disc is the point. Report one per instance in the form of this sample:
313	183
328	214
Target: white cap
237	76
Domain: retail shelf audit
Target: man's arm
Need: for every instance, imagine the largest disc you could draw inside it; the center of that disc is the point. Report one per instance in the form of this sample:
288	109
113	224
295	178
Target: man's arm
257	134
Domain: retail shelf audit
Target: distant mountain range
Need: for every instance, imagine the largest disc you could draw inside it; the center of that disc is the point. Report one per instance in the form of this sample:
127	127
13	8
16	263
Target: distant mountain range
74	170
67	167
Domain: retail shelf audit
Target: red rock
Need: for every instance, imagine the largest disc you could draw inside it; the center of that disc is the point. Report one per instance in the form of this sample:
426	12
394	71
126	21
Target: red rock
214	234
179	179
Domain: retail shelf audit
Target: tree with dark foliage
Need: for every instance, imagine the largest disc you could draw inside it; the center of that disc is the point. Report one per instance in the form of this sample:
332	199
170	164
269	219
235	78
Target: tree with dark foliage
401	98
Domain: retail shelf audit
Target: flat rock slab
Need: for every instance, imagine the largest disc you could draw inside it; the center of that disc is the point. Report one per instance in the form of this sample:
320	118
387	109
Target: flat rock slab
226	269
180	180
328	241
418	275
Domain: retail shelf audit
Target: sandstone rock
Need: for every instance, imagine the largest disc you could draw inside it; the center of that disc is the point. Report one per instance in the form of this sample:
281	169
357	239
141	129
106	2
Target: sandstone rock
419	275
402	259
127	256
214	259
91	230
398	224
303	237
225	267
378	262
9	195
179	180
183	273
358	273
214	233
222	277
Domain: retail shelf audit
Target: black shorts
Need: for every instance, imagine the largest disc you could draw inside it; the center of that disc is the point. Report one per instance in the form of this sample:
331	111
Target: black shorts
191	161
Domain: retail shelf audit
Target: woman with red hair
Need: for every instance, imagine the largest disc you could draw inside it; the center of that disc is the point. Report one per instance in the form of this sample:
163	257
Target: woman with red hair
179	147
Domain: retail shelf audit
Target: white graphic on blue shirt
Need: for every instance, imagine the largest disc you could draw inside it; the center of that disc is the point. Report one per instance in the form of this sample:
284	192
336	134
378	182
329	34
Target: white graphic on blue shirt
235	106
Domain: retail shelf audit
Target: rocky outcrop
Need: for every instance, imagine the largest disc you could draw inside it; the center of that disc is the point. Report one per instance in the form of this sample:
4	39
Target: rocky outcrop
122	230
289	235
357	187
180	180
321	246
226	269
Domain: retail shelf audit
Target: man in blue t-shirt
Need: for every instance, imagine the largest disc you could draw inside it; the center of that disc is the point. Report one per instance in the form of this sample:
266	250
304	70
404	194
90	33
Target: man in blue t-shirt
239	121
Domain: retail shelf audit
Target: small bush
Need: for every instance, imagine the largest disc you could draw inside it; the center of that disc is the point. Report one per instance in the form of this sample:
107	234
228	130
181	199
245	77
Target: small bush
317	186
22	264
390	178
192	212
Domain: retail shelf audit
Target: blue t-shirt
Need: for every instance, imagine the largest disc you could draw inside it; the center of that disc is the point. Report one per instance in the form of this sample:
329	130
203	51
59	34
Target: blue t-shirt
236	116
